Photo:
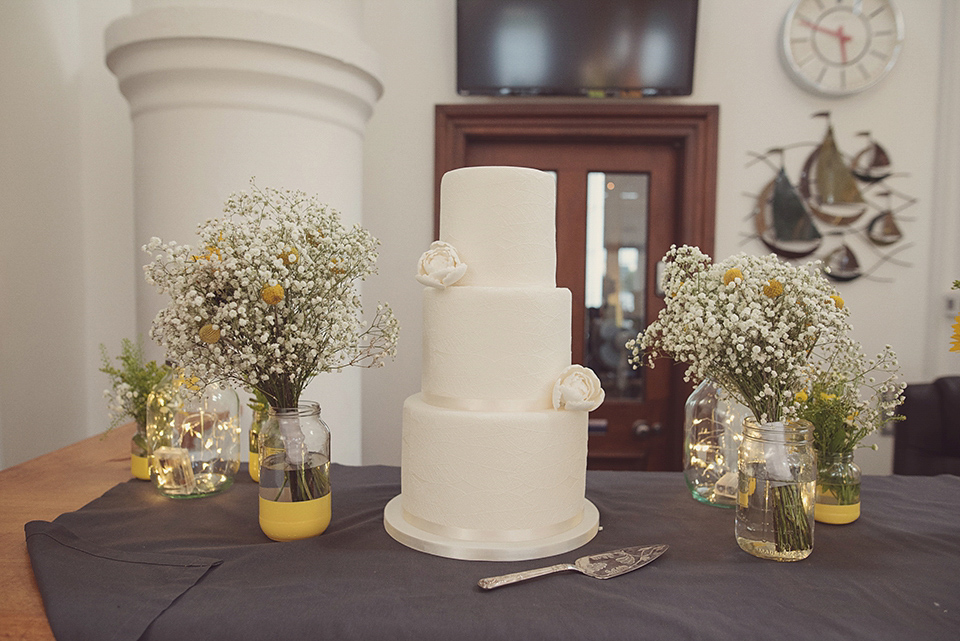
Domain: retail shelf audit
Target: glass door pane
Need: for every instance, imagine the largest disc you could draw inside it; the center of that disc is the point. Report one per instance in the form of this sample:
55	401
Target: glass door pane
615	284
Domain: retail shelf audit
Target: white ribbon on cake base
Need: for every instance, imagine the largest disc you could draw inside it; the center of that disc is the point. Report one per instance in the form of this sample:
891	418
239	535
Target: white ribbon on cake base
470	534
486	404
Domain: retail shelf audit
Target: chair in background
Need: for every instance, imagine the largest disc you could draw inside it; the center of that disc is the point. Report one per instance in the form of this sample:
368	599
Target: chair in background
927	441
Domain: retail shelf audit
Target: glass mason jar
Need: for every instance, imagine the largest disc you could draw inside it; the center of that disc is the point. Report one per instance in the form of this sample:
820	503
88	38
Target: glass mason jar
139	457
777	488
711	438
193	438
838	489
259	418
294	473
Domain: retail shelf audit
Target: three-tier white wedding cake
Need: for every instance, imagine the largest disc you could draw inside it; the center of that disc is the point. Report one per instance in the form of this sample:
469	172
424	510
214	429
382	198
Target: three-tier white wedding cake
495	445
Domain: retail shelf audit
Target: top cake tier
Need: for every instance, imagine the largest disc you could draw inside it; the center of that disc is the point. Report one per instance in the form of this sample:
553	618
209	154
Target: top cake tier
501	220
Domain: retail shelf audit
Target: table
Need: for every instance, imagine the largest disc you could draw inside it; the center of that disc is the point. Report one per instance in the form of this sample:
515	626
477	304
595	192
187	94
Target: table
44	488
893	574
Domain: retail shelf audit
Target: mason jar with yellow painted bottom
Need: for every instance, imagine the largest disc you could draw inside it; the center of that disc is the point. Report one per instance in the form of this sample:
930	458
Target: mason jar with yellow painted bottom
139	456
838	489
294	453
259	418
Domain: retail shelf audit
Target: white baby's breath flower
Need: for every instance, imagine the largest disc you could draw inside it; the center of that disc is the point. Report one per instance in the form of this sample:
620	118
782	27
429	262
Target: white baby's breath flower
276	276
750	323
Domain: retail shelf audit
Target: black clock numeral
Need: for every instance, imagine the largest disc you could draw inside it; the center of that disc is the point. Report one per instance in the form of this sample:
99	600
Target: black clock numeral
820	75
863	71
879	54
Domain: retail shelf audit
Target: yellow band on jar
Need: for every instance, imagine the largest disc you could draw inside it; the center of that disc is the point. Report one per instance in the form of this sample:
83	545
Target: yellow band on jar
140	467
836	514
293	520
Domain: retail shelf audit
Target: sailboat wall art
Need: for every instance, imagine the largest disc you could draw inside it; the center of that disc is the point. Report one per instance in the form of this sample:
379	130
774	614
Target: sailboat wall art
837	203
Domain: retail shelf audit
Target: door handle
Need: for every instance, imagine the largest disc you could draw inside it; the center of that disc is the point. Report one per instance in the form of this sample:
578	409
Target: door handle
643	429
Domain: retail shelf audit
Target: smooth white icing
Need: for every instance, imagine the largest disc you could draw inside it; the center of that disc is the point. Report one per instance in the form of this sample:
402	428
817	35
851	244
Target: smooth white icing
502	222
492	470
484	449
495	342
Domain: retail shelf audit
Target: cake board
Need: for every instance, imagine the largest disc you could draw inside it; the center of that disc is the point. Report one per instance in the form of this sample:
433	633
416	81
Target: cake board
469	550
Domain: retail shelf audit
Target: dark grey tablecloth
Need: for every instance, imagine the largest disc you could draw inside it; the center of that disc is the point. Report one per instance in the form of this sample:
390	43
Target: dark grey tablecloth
893	574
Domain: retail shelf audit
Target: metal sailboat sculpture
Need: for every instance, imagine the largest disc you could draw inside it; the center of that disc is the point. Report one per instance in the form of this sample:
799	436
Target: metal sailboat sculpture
883	228
783	221
828	185
872	163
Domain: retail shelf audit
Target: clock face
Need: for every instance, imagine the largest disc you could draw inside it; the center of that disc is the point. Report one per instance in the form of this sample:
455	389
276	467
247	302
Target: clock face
840	47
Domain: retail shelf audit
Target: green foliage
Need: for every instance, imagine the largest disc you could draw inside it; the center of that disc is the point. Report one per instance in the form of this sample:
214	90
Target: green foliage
131	382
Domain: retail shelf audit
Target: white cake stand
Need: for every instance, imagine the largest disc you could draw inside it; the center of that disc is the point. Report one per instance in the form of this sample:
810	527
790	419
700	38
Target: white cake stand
413	537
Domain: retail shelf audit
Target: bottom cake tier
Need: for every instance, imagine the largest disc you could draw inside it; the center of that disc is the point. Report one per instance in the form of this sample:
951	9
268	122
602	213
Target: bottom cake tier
493	485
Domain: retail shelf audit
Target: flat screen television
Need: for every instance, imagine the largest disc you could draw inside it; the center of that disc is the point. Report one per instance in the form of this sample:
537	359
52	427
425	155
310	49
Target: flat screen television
576	47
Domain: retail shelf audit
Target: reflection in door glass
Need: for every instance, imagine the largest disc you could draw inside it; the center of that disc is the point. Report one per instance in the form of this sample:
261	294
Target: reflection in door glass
615	288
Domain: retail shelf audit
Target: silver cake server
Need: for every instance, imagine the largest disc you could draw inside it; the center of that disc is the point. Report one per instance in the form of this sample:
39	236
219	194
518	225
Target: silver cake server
599	566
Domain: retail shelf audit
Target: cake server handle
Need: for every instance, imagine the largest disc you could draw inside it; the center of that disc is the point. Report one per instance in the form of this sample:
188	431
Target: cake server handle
506	579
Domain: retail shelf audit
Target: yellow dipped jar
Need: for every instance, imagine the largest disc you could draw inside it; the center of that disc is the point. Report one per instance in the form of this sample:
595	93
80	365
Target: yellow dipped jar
254	466
838	489
294	463
259	418
140	467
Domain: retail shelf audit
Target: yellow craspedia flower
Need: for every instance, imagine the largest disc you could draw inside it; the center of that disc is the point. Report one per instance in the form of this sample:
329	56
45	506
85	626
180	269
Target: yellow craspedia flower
208	334
272	294
290	255
773	288
837	301
732	274
802	396
827	397
956	335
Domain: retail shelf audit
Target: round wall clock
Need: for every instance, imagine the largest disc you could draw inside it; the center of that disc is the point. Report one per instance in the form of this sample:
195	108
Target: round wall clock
840	47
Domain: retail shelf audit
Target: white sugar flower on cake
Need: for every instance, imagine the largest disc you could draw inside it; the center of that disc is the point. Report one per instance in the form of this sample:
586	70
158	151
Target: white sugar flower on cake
577	389
440	266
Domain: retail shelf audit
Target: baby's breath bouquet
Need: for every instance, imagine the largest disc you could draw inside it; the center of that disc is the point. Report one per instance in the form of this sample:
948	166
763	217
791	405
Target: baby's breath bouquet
751	324
849	398
268	299
835	404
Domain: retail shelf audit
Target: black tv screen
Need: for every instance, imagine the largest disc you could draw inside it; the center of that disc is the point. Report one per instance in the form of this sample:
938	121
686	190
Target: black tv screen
576	47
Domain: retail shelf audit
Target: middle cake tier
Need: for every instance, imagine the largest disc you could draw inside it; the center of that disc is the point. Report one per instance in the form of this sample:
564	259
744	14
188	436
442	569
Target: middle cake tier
494	348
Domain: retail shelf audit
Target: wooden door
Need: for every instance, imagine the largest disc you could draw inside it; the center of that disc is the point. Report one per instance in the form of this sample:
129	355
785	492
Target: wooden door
639	426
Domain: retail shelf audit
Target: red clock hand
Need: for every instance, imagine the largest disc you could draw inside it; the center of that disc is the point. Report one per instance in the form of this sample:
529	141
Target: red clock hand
844	38
816	27
837	33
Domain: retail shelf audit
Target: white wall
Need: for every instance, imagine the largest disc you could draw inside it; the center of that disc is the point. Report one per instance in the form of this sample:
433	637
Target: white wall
66	258
68	262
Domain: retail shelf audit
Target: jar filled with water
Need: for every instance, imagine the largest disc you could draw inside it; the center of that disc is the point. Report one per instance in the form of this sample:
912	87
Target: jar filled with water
776	490
294	452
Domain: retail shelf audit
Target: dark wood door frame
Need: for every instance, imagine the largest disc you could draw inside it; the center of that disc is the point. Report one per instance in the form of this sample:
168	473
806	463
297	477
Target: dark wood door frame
691	129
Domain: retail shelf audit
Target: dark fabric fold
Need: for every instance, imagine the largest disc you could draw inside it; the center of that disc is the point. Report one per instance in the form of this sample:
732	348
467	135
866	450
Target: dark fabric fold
94	592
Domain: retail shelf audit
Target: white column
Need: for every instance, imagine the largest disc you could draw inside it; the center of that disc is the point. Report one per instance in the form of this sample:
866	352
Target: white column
223	90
